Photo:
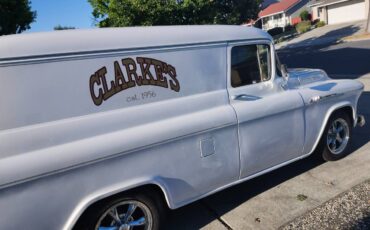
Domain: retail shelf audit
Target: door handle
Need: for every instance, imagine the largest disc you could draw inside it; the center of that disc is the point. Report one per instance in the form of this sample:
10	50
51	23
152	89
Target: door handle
245	97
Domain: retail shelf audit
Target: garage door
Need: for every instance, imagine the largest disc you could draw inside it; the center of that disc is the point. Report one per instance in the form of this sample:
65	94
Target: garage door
352	10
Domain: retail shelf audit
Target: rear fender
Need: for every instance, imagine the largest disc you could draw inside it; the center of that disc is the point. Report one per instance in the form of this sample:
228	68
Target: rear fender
114	190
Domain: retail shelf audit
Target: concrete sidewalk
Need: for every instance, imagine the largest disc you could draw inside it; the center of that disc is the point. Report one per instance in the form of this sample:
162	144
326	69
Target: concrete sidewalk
270	201
281	204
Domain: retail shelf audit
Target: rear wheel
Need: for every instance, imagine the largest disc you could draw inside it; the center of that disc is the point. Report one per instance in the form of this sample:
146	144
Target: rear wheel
335	141
130	212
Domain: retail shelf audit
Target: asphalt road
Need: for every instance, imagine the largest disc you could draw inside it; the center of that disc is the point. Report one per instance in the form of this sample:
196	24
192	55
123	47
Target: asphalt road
325	35
345	60
273	200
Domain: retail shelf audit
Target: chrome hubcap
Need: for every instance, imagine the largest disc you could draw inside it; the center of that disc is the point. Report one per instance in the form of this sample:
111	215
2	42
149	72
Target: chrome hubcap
338	136
126	215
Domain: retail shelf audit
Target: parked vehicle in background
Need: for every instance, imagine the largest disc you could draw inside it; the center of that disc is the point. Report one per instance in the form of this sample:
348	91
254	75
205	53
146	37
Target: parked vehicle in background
105	128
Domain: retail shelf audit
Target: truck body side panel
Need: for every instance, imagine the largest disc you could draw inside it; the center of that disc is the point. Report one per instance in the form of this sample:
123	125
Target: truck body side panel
60	150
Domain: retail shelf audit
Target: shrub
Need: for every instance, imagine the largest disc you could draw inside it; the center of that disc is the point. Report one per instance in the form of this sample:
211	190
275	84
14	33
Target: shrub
320	24
275	31
303	27
288	27
281	39
314	22
305	16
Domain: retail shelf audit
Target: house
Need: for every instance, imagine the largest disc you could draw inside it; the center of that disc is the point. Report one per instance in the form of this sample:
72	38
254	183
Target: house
266	3
339	11
316	13
283	13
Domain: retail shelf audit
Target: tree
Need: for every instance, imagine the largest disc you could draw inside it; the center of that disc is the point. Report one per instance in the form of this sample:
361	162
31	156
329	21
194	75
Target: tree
235	11
15	16
304	15
59	27
114	13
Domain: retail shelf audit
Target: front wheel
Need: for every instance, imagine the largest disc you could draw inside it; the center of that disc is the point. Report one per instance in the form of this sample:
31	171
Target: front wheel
335	141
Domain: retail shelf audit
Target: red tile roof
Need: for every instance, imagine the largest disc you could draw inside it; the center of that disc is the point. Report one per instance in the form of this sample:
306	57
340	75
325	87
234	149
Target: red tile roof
283	5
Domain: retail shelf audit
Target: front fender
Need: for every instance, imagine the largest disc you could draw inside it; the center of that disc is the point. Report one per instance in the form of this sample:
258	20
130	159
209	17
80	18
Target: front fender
332	109
322	98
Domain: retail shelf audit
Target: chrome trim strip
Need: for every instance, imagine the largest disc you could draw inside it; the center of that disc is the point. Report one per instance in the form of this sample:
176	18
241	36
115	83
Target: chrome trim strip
317	99
79	55
69	56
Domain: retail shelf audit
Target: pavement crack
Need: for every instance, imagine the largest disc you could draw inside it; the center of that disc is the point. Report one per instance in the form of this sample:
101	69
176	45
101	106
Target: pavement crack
215	215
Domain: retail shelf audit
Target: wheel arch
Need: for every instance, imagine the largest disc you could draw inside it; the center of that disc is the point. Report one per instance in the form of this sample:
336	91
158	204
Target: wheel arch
345	106
97	198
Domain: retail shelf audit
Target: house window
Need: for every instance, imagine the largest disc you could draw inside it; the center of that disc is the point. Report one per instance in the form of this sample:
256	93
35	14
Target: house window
279	17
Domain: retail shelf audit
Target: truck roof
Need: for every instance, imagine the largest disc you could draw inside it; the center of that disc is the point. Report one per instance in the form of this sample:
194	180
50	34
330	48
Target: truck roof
71	42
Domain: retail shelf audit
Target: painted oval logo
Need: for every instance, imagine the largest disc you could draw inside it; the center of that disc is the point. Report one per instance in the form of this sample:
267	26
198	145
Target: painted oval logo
140	72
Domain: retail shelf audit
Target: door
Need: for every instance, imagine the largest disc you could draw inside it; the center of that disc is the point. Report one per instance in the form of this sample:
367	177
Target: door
348	11
270	118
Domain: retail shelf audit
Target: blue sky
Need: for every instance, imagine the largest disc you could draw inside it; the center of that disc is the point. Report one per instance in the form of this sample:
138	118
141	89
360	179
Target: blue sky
50	13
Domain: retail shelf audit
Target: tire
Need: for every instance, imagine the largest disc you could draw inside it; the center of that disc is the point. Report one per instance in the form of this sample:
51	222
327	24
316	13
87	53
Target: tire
336	138
147	213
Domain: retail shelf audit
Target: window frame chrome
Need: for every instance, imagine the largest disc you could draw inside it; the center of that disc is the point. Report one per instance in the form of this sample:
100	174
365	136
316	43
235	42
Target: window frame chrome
254	42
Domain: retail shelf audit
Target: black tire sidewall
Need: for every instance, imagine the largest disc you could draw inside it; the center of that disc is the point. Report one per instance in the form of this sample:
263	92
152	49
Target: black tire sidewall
326	153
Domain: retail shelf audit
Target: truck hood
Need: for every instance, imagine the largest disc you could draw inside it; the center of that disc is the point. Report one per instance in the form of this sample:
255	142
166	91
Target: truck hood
315	84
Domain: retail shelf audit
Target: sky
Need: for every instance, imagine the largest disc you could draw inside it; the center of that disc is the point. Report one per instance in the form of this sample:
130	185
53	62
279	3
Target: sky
50	13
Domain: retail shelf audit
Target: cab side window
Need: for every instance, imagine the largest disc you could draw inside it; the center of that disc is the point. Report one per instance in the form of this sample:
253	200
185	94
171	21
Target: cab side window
250	64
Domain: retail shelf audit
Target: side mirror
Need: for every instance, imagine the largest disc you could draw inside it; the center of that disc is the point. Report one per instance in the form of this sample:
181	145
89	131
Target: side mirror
284	71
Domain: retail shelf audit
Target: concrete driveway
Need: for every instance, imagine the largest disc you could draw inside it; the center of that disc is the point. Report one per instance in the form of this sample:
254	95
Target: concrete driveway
325	34
272	200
